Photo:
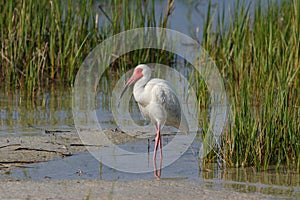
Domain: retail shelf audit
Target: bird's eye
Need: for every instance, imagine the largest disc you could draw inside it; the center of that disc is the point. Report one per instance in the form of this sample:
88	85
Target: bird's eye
139	70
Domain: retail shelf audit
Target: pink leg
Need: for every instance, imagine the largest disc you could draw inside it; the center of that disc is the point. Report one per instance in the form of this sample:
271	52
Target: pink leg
157	173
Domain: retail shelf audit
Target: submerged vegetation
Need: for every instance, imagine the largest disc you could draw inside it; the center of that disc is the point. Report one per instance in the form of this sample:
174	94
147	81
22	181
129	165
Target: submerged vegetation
257	55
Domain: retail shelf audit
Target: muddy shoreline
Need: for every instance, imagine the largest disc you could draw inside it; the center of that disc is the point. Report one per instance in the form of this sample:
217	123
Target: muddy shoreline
17	151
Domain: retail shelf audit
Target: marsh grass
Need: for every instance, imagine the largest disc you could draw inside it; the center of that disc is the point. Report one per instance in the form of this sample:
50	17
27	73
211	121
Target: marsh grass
42	42
45	42
259	60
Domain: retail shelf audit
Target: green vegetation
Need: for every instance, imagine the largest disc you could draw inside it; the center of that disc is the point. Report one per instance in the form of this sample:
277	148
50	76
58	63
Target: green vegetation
259	60
42	43
45	42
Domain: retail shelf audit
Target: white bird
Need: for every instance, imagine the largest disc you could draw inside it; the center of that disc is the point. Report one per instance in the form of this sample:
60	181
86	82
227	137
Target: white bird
158	102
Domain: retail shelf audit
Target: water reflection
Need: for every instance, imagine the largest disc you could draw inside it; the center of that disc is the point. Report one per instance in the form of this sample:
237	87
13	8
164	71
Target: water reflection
278	182
271	176
23	115
51	108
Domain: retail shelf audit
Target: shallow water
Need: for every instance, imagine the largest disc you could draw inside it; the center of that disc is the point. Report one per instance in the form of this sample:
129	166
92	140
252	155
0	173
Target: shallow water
49	110
280	183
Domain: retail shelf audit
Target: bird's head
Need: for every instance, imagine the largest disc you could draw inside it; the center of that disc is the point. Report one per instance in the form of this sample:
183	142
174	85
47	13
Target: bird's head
139	72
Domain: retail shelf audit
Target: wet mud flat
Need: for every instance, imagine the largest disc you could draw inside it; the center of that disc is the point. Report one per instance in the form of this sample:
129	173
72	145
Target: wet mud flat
18	151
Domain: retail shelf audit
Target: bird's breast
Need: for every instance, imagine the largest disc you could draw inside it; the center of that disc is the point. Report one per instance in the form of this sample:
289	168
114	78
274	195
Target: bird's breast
144	110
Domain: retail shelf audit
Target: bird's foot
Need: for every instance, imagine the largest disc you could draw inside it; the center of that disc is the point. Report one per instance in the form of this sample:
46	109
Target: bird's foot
157	174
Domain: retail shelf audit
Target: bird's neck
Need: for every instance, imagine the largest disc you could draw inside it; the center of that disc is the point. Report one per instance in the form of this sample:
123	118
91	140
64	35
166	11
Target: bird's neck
139	89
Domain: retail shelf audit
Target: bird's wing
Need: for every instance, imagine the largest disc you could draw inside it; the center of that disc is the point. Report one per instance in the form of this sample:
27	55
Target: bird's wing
164	95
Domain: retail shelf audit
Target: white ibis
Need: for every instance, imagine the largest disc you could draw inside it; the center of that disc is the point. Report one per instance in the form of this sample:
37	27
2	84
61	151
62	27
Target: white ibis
157	101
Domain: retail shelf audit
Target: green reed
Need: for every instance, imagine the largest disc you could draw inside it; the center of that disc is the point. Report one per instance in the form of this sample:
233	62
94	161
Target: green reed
259	60
44	42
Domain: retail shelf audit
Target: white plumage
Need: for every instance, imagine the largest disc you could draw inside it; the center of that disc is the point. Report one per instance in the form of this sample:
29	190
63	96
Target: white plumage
157	101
